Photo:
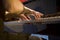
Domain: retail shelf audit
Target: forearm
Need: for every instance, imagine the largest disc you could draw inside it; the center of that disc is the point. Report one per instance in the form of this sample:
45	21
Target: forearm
13	6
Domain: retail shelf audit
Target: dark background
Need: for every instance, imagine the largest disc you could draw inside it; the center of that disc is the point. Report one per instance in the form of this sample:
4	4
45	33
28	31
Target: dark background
46	7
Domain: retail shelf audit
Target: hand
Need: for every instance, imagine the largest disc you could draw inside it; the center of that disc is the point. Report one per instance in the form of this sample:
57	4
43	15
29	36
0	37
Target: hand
25	16
36	14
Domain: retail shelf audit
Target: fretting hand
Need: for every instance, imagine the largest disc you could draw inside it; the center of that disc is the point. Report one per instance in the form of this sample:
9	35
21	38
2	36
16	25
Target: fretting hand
27	12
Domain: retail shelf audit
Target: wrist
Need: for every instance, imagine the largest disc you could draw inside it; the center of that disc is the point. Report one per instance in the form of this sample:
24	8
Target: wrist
26	11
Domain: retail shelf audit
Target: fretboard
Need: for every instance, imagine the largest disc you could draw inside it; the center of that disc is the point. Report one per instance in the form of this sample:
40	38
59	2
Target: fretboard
48	20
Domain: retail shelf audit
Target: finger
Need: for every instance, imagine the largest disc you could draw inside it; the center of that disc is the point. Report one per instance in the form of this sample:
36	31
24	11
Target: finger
38	14
20	19
41	14
23	17
27	15
33	16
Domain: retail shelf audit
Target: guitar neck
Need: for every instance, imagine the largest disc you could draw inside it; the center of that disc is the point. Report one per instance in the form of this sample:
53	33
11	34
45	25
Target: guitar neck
48	20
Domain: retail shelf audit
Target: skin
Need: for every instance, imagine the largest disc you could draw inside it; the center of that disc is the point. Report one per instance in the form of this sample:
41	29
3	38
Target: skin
27	17
15	6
